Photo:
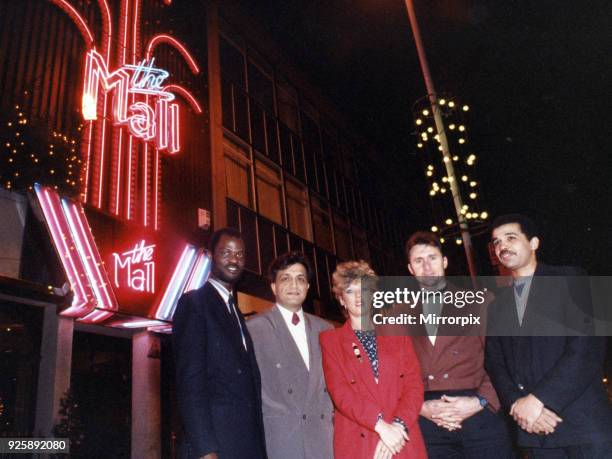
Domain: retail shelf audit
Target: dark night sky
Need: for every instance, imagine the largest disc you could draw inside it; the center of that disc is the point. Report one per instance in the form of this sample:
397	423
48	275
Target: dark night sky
536	75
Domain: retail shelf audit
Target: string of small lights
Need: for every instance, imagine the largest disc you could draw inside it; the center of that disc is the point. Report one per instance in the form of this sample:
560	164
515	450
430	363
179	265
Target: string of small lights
464	159
32	154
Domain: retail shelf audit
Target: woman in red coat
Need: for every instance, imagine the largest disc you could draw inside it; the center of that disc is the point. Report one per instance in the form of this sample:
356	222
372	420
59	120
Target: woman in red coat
374	381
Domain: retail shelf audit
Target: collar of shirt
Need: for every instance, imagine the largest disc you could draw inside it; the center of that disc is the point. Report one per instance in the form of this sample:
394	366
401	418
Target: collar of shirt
526	283
224	292
288	315
438	288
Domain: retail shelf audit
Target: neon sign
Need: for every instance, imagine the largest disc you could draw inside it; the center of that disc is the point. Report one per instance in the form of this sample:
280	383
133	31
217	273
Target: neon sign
135	268
132	87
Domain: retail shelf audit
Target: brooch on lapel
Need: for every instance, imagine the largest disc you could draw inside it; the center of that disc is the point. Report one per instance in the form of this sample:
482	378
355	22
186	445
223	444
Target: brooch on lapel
356	352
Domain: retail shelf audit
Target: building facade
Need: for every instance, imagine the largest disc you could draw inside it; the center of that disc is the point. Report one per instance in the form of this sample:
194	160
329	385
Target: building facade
131	130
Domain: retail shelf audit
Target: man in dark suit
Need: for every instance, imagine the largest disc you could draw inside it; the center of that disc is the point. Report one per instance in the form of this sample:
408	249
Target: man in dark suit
551	384
459	417
218	382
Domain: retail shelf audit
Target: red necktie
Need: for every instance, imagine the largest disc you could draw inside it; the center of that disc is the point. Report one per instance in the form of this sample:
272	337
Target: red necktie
295	319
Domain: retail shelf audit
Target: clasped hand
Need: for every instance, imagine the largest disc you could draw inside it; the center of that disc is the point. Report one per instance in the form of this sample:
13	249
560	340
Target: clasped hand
393	437
532	416
449	412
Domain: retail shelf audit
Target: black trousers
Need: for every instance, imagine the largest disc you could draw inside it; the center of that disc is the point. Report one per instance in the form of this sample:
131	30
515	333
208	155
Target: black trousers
602	450
482	436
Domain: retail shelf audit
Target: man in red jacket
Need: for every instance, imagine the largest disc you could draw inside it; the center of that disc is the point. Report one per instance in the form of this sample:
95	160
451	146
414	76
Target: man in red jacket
459	417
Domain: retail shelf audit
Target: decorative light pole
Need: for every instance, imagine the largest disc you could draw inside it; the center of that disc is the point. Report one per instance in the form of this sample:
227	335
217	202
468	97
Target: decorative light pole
442	138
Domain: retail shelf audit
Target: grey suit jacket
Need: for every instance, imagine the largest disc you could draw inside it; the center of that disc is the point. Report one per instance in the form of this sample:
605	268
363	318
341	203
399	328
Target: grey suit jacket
297	409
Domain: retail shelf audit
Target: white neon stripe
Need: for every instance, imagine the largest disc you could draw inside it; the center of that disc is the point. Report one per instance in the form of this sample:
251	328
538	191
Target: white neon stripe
80	299
142	323
92	255
200	273
85	259
176	284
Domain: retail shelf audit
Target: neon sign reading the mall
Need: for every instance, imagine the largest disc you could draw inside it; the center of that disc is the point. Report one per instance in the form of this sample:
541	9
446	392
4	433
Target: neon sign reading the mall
135	268
140	100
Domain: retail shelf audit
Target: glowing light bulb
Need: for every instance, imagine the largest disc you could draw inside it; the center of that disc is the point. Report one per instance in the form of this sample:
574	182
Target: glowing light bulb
449	221
465	108
484	215
419	121
434	229
425	112
473	195
451	104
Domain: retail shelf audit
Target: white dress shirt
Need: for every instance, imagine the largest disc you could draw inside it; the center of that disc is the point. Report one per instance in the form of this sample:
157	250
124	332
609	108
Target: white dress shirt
298	332
225	294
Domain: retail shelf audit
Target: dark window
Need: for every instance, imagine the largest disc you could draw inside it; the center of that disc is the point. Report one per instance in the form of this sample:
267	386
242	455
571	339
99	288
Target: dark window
273	152
241	114
260	87
258	127
312	149
280	238
232	214
266	244
287	149
227	104
295	243
249	234
232	62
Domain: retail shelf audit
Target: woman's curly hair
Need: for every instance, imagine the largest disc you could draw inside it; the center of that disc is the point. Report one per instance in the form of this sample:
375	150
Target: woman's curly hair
347	272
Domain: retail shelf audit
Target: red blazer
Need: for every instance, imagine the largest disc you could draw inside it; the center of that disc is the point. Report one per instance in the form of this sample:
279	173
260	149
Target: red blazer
357	398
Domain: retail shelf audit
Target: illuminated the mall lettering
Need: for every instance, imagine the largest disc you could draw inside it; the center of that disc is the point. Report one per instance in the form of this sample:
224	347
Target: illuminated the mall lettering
140	100
135	268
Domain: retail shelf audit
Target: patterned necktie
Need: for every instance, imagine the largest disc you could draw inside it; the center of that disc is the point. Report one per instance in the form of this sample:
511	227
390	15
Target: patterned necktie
231	301
295	319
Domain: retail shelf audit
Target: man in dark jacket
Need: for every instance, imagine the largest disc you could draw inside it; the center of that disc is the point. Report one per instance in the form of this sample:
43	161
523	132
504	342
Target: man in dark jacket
218	382
547	369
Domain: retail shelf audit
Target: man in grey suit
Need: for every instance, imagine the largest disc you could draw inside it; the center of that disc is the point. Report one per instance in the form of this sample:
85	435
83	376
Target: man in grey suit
297	409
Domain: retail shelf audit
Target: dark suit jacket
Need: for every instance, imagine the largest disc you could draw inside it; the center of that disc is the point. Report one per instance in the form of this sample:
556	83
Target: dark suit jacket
564	372
218	383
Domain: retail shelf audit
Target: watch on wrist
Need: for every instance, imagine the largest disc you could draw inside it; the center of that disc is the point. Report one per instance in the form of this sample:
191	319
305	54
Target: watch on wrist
483	401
